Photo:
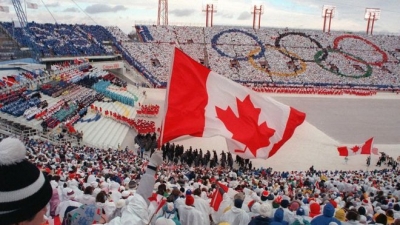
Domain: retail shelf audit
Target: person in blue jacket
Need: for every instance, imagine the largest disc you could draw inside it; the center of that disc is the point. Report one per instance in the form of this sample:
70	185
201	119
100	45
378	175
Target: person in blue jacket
326	217
278	218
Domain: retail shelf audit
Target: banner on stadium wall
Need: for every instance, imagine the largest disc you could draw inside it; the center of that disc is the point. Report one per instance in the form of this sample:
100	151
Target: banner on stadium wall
108	65
111	66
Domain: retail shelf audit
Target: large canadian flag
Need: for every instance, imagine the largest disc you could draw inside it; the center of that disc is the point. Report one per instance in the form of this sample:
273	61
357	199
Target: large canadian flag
365	149
201	103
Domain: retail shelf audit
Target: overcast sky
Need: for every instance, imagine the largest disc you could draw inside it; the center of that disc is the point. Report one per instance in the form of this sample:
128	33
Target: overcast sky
278	13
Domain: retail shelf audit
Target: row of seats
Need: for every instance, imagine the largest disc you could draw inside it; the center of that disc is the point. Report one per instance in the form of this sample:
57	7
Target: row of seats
55	88
18	107
11	96
61	39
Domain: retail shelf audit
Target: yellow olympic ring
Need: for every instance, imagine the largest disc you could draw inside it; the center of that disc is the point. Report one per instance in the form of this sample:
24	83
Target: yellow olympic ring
303	65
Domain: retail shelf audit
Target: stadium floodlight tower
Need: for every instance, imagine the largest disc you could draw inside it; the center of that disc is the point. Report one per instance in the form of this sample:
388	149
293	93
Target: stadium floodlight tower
162	18
328	12
257	12
19	10
23	21
371	14
210	9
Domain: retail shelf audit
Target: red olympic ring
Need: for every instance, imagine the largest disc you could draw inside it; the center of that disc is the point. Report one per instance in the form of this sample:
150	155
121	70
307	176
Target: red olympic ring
379	63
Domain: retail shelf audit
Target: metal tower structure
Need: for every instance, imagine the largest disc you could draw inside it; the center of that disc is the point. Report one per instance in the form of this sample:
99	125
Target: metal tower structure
162	18
257	12
328	12
371	15
19	10
210	10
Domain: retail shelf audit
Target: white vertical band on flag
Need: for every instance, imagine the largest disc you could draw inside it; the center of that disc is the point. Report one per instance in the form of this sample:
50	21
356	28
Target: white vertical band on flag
166	97
223	94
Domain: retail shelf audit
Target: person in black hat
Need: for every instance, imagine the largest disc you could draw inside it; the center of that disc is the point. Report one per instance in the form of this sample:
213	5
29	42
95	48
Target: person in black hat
24	190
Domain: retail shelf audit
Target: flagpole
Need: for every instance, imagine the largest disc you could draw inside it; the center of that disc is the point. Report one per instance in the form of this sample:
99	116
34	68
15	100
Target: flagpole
166	97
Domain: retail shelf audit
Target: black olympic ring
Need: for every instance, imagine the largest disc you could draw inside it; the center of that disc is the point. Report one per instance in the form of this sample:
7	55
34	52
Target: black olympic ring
278	39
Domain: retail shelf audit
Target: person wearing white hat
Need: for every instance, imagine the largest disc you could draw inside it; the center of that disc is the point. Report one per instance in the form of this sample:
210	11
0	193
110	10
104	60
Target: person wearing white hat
87	197
120	204
62	207
125	194
265	212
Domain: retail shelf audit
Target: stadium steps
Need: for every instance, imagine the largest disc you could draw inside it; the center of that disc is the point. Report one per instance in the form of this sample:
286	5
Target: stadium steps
101	131
108	134
119	136
85	125
89	133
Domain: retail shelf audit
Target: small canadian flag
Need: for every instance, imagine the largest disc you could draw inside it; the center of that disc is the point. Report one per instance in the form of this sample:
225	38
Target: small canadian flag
31	5
365	149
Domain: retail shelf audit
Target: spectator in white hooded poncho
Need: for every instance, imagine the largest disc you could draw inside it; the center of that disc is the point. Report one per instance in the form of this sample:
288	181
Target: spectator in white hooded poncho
236	215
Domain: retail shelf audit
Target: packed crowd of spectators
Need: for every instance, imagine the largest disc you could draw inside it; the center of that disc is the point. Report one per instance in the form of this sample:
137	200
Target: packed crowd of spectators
242	54
174	186
62	39
282	50
118	34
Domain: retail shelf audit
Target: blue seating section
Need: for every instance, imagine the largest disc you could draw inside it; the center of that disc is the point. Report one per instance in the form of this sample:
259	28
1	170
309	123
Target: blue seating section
62	39
100	33
18	107
144	33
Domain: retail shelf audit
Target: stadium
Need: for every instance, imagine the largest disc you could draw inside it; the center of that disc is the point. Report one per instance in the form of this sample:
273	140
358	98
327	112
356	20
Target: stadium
66	88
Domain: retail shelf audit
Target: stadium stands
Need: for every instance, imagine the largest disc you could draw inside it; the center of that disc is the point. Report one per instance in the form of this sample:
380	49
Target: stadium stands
269	55
63	39
278	56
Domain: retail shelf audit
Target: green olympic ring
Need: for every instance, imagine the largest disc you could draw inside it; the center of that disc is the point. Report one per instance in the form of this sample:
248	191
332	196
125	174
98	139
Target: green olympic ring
318	61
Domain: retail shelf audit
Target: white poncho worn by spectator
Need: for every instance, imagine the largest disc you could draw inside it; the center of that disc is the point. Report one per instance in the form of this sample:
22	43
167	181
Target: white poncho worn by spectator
136	212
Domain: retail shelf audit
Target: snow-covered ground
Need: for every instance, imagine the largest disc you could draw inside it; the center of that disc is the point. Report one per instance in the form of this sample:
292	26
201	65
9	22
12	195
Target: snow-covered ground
349	120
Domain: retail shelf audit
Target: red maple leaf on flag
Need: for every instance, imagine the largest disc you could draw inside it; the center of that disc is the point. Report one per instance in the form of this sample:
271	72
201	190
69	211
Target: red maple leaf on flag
355	149
245	127
153	197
